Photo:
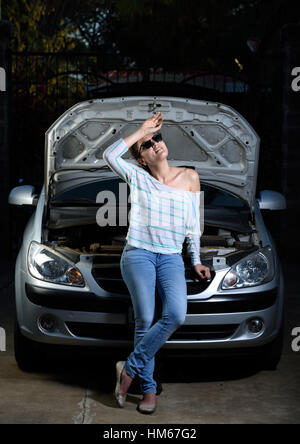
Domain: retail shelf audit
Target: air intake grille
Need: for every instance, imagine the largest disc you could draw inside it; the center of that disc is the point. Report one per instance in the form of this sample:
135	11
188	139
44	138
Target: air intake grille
126	332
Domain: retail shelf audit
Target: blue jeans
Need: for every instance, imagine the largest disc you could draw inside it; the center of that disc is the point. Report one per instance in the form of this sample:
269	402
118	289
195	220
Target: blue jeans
141	270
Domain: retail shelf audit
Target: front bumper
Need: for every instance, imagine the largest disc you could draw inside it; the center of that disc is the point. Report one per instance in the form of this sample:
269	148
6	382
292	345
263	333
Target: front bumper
84	318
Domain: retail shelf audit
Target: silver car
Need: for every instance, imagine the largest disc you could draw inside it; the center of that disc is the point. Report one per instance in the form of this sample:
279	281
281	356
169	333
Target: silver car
68	285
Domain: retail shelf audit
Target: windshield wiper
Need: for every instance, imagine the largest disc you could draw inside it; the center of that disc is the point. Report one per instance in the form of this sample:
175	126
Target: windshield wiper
92	170
82	169
60	203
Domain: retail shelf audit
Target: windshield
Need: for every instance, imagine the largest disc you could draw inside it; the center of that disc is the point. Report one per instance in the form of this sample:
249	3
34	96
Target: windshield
86	194
221	208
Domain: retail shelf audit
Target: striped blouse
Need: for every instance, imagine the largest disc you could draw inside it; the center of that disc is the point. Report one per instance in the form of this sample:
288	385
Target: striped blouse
161	217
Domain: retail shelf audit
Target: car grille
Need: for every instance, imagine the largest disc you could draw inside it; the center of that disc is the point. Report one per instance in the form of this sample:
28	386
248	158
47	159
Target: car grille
89	302
126	331
109	278
204	332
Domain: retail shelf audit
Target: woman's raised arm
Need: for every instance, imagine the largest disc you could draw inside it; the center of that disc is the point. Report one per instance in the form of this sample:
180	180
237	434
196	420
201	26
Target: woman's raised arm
112	155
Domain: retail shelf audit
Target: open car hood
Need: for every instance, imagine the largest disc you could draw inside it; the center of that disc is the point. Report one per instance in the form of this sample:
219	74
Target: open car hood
209	136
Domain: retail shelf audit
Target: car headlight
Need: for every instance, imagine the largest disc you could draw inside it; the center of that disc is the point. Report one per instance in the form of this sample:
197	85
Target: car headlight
255	269
50	266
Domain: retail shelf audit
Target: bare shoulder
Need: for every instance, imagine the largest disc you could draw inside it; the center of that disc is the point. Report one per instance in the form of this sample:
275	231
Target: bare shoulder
193	178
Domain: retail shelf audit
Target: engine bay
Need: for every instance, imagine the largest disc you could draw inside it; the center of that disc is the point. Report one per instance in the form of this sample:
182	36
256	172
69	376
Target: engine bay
109	242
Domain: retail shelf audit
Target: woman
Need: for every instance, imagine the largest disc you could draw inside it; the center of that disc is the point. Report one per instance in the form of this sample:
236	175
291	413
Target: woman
163	199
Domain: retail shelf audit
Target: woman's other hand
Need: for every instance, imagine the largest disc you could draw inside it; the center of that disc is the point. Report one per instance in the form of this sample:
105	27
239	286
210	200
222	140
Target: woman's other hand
202	271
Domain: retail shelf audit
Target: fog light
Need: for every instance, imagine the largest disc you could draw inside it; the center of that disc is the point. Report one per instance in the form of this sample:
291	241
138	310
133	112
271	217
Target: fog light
255	325
48	323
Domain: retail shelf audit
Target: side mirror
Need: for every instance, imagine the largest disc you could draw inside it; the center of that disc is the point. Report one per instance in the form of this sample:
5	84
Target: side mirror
23	195
271	200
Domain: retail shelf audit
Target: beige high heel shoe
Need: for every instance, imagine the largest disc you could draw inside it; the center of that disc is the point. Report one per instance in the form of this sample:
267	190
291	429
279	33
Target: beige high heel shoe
148	408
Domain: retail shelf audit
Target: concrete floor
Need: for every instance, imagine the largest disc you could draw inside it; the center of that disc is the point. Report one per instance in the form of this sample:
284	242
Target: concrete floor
72	390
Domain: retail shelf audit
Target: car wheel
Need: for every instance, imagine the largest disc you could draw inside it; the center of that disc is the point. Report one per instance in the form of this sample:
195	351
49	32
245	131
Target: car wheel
274	350
29	354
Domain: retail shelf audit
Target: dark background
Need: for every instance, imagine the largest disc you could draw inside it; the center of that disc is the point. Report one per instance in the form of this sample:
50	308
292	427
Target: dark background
238	53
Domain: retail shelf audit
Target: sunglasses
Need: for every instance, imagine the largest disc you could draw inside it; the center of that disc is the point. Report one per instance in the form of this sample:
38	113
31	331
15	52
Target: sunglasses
148	144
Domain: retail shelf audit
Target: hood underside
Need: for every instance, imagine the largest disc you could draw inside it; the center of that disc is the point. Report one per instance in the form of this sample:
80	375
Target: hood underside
211	137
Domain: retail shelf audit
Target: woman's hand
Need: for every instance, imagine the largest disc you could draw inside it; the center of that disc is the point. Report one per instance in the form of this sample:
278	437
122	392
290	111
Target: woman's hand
150	126
153	124
202	271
